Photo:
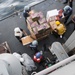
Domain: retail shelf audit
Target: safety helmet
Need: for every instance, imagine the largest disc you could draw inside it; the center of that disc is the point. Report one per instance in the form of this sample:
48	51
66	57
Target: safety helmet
35	43
26	8
57	23
38	55
17	29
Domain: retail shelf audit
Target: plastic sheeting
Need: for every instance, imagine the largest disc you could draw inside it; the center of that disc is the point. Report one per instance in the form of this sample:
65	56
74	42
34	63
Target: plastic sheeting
28	62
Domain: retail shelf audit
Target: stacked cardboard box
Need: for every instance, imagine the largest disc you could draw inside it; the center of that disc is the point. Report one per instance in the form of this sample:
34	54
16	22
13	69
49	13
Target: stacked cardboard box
38	24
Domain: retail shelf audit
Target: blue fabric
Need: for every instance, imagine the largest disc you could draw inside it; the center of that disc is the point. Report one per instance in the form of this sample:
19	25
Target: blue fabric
32	46
38	55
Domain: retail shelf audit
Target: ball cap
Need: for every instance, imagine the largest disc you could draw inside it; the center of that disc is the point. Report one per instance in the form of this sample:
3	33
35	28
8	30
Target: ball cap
38	55
35	43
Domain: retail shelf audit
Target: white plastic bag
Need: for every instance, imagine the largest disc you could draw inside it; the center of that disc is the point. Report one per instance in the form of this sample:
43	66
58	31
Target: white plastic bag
24	72
18	56
28	62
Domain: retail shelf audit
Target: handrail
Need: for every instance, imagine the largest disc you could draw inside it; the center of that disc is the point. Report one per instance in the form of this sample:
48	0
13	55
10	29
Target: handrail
56	66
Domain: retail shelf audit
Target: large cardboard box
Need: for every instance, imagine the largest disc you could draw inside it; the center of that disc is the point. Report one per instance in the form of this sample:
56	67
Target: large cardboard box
51	13
42	20
39	25
26	40
34	24
53	25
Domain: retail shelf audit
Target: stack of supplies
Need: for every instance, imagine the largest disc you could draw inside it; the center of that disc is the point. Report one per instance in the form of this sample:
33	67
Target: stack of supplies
38	24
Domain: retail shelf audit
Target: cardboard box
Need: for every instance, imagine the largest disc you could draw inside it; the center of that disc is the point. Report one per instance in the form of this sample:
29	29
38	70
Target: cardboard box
42	20
35	30
53	25
40	29
30	20
34	24
26	40
35	17
46	26
40	14
51	13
